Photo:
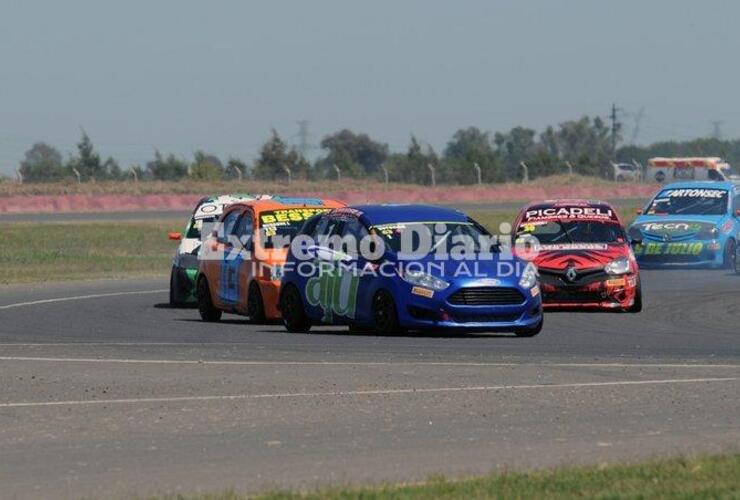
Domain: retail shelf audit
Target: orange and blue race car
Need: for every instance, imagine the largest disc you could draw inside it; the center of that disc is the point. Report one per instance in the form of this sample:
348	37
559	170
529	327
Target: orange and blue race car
242	260
582	253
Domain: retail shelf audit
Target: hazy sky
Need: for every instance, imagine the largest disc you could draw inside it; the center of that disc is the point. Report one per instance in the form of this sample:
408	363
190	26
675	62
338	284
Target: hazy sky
184	75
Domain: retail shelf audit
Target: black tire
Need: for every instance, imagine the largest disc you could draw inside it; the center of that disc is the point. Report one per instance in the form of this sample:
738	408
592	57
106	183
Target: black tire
255	304
173	288
729	260
292	311
385	315
531	331
208	312
737	260
637	305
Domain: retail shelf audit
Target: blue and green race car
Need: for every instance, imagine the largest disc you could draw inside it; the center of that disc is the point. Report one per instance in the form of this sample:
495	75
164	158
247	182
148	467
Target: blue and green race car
393	268
692	224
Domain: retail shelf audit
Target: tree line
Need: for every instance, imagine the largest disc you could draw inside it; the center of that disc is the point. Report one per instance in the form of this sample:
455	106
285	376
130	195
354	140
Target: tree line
587	144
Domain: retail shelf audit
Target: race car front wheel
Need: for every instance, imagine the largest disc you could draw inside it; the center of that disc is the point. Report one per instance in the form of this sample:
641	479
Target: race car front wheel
208	312
292	311
730	257
255	304
636	306
385	314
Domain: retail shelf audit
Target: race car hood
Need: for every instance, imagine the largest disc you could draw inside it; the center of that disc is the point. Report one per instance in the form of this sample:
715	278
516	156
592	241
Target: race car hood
667	227
579	255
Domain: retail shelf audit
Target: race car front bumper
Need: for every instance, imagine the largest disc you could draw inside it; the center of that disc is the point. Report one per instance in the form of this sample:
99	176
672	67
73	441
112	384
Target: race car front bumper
609	293
691	253
505	308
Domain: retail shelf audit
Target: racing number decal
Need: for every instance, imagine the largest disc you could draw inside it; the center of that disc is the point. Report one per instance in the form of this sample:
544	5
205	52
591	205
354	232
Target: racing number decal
335	292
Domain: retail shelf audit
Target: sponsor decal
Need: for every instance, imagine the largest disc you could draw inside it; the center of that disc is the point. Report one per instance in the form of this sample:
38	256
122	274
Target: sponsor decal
669	248
615	282
335	292
288	215
573	246
672	227
489	282
599	213
423	292
694	193
535	291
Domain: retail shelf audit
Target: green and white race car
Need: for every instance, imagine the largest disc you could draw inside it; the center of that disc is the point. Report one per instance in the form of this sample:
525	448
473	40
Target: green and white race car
185	263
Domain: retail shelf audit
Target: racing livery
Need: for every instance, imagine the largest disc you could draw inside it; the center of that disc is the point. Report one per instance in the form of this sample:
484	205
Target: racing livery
690	224
582	254
242	259
185	264
392	291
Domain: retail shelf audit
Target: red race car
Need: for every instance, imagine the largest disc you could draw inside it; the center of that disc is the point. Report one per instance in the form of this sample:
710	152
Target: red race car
582	253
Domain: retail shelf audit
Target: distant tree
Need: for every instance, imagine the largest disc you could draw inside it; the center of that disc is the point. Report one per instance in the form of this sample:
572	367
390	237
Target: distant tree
168	168
42	163
468	147
412	167
232	163
206	167
584	142
513	147
88	162
355	154
275	156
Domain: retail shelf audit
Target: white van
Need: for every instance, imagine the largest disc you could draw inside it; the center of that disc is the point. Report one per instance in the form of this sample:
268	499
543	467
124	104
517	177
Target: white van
710	168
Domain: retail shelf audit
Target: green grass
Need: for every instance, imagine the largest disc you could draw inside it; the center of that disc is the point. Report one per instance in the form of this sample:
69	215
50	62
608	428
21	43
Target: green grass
86	250
712	477
62	251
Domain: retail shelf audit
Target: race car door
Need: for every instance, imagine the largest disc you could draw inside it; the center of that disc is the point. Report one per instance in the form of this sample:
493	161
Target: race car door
230	261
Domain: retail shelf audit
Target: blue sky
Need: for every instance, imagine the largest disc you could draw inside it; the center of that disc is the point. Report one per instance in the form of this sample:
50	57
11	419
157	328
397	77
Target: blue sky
184	75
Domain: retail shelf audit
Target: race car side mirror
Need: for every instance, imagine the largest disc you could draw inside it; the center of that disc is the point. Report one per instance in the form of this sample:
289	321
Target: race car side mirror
638	211
635	236
737	212
174	235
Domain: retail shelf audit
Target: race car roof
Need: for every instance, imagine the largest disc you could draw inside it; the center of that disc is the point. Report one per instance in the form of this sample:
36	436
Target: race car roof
213	206
387	214
277	203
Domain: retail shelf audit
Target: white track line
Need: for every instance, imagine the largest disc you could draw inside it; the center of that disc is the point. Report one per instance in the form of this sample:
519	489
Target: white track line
80	297
431	390
356	363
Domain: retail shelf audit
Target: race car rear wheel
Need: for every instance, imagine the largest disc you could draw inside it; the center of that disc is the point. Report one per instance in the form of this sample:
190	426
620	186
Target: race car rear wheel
208	312
294	315
531	331
385	314
255	304
729	261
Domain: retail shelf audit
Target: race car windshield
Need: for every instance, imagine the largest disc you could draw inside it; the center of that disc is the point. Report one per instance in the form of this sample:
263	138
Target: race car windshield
571	231
200	226
278	227
428	237
689	202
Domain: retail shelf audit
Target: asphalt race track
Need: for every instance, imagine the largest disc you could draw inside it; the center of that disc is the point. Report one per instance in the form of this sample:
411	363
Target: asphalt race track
106	390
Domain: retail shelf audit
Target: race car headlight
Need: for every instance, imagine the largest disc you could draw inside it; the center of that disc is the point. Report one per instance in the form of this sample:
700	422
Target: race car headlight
419	278
529	277
618	266
708	234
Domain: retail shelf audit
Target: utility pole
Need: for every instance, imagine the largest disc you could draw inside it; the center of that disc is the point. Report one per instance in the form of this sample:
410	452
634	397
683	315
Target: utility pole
303	137
616	126
434	177
717	129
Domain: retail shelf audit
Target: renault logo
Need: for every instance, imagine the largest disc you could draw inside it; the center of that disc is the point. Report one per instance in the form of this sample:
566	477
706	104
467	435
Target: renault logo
571	274
667	237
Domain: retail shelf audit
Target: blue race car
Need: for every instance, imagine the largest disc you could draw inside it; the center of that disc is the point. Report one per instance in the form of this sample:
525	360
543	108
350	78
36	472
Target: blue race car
392	268
694	224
